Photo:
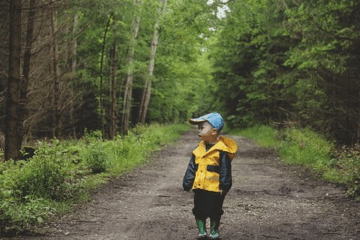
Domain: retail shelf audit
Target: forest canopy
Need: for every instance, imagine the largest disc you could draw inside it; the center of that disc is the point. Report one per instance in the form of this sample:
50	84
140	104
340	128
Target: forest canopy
291	63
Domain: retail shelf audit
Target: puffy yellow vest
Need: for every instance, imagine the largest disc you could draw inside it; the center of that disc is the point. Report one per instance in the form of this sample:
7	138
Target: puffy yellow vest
209	180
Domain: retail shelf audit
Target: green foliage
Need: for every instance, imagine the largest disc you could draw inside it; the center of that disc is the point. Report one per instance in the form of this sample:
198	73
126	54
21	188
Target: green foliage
22	215
61	172
347	165
265	136
305	147
96	159
290	62
248	60
46	175
30	188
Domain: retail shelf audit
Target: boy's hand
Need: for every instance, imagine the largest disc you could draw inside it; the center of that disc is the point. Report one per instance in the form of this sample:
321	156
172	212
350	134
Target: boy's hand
187	190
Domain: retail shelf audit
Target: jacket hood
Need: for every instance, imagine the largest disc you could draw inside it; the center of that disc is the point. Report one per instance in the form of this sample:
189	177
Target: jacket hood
224	144
230	146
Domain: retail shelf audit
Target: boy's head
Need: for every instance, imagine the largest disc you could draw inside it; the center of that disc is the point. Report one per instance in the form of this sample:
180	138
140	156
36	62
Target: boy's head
209	126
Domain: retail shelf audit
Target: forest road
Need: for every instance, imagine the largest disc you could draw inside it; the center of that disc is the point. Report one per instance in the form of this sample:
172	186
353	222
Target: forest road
268	200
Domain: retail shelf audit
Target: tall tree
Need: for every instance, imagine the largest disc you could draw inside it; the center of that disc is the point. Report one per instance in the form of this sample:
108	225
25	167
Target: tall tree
147	88
101	76
12	141
129	74
113	108
23	111
73	72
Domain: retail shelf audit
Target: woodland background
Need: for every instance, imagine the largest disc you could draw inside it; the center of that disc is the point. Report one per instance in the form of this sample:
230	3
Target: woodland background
71	66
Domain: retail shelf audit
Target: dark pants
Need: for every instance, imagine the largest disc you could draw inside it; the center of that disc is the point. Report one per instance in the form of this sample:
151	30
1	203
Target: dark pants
208	204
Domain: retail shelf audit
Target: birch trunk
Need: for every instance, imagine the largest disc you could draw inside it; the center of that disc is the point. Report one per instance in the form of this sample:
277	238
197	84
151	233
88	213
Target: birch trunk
147	88
56	127
12	141
129	79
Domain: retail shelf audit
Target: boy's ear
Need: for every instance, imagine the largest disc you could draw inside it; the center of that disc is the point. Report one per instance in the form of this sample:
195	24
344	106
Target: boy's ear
214	131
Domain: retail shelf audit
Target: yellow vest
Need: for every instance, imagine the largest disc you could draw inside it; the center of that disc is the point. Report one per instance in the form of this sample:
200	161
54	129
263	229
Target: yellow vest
210	180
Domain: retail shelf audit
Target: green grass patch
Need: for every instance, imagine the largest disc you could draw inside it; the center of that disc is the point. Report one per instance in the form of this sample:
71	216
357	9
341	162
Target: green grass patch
309	149
265	136
305	147
62	172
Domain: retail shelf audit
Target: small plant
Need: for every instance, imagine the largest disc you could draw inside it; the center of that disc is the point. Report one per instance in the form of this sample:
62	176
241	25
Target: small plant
96	159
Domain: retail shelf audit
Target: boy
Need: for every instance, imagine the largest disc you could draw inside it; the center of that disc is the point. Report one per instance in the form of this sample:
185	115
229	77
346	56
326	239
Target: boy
209	173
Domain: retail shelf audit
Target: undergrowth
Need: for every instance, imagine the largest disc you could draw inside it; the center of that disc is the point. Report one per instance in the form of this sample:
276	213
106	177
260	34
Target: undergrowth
62	172
309	149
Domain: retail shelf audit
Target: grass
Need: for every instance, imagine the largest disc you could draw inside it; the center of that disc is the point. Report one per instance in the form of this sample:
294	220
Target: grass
62	172
262	135
309	149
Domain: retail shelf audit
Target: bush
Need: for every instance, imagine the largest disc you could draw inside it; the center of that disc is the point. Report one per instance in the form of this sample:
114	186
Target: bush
96	158
348	164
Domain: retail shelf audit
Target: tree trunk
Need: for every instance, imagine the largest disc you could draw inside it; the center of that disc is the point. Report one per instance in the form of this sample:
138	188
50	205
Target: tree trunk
23	113
101	78
129	78
12	138
74	44
73	71
56	127
147	88
113	116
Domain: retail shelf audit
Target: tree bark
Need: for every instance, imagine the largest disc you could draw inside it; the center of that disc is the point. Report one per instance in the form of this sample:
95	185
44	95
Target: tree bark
147	88
129	79
113	115
23	112
101	78
73	71
56	127
12	138
74	44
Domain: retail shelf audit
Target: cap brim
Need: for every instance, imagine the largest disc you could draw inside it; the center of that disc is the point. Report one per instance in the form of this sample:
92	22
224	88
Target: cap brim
195	121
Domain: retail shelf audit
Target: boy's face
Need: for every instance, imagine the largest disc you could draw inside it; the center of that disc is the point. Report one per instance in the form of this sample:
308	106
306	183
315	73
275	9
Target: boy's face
207	132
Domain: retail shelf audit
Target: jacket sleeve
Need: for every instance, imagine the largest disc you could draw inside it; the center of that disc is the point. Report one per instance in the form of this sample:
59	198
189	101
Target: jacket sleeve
225	172
190	174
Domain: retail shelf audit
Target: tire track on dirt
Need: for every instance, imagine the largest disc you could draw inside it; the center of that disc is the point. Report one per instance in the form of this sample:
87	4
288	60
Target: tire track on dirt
268	200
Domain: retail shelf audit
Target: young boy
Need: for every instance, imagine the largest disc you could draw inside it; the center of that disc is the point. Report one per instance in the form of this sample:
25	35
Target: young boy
209	173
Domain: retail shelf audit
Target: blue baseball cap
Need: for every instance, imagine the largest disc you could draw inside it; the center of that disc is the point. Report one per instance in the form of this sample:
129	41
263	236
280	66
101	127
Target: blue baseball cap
214	119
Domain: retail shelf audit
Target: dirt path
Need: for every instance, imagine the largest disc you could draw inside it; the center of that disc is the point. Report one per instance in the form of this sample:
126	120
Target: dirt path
268	200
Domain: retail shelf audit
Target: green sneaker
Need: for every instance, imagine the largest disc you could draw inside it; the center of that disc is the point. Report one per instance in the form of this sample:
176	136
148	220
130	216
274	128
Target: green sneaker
201	225
214	230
